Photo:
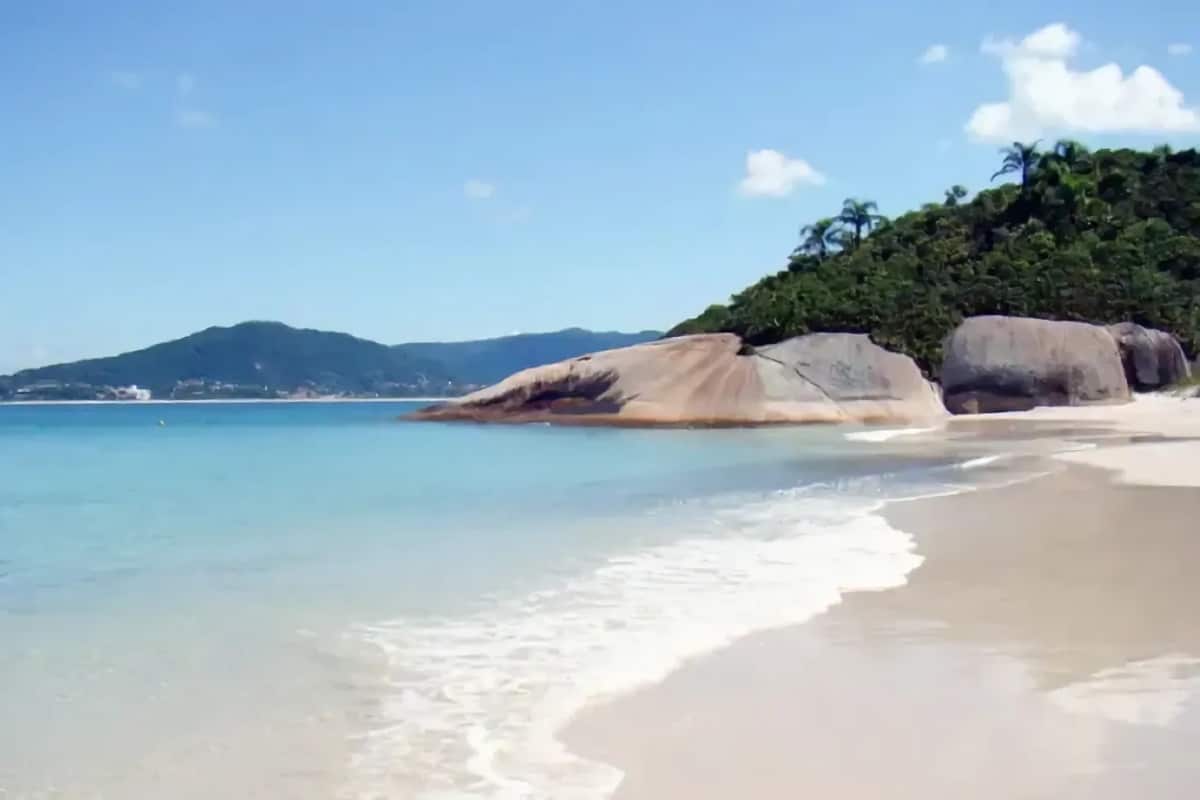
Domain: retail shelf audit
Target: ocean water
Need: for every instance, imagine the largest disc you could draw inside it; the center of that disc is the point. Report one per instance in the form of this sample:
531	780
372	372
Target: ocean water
317	600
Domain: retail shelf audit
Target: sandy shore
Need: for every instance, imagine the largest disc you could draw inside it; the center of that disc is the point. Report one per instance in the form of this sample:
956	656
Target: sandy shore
1161	463
1048	647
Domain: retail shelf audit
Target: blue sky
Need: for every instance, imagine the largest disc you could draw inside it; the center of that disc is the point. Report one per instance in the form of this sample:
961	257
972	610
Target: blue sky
450	170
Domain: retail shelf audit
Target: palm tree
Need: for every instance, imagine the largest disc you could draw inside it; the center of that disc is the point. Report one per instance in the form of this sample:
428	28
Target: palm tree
1068	156
859	215
955	193
1020	158
1071	152
817	238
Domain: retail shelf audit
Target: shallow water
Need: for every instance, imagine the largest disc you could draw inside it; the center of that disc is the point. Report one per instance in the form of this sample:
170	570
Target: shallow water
316	600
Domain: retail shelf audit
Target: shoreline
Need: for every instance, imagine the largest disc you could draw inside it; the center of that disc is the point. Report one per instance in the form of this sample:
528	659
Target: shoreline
1016	589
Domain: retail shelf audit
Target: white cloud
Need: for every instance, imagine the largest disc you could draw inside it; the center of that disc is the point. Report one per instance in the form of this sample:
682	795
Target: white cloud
769	173
125	79
185	83
195	118
1046	94
934	54
475	189
1055	41
1179	49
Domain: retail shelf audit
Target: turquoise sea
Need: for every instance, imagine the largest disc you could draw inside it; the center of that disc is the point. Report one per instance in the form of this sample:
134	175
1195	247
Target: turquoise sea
318	600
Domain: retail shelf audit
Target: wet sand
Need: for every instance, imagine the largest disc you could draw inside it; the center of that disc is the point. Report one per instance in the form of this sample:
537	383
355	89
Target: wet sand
1048	647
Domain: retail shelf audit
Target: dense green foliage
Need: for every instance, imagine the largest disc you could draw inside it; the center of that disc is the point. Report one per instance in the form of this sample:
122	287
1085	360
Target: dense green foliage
1104	237
262	359
488	360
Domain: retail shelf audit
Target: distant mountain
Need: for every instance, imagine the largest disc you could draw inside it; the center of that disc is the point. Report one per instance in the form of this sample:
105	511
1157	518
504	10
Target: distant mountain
486	361
270	359
251	359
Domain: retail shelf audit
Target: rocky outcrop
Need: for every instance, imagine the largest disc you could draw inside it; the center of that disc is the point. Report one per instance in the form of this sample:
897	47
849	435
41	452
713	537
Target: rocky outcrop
1152	359
848	369
1015	363
710	380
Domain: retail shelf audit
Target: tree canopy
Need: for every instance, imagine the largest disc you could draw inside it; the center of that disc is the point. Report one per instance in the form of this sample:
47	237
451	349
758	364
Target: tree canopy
858	216
1102	237
817	239
1021	158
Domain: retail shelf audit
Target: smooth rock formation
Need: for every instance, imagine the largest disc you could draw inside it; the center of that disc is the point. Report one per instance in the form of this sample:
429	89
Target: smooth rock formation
1152	359
710	380
994	363
847	368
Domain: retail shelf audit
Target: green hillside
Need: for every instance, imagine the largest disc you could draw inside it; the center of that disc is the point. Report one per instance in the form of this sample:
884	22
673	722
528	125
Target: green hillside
268	356
267	359
1097	236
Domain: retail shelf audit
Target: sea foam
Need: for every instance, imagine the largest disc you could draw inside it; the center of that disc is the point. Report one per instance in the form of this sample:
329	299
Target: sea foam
1152	692
887	434
474	702
983	461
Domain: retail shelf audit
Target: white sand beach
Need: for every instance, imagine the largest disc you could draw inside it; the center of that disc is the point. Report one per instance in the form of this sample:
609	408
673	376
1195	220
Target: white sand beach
1047	647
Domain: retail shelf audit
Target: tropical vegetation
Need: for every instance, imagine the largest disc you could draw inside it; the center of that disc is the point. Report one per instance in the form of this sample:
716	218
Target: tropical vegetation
1100	236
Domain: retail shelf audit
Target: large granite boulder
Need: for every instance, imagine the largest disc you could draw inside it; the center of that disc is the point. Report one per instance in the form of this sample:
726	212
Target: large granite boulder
996	363
710	379
1152	359
847	368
